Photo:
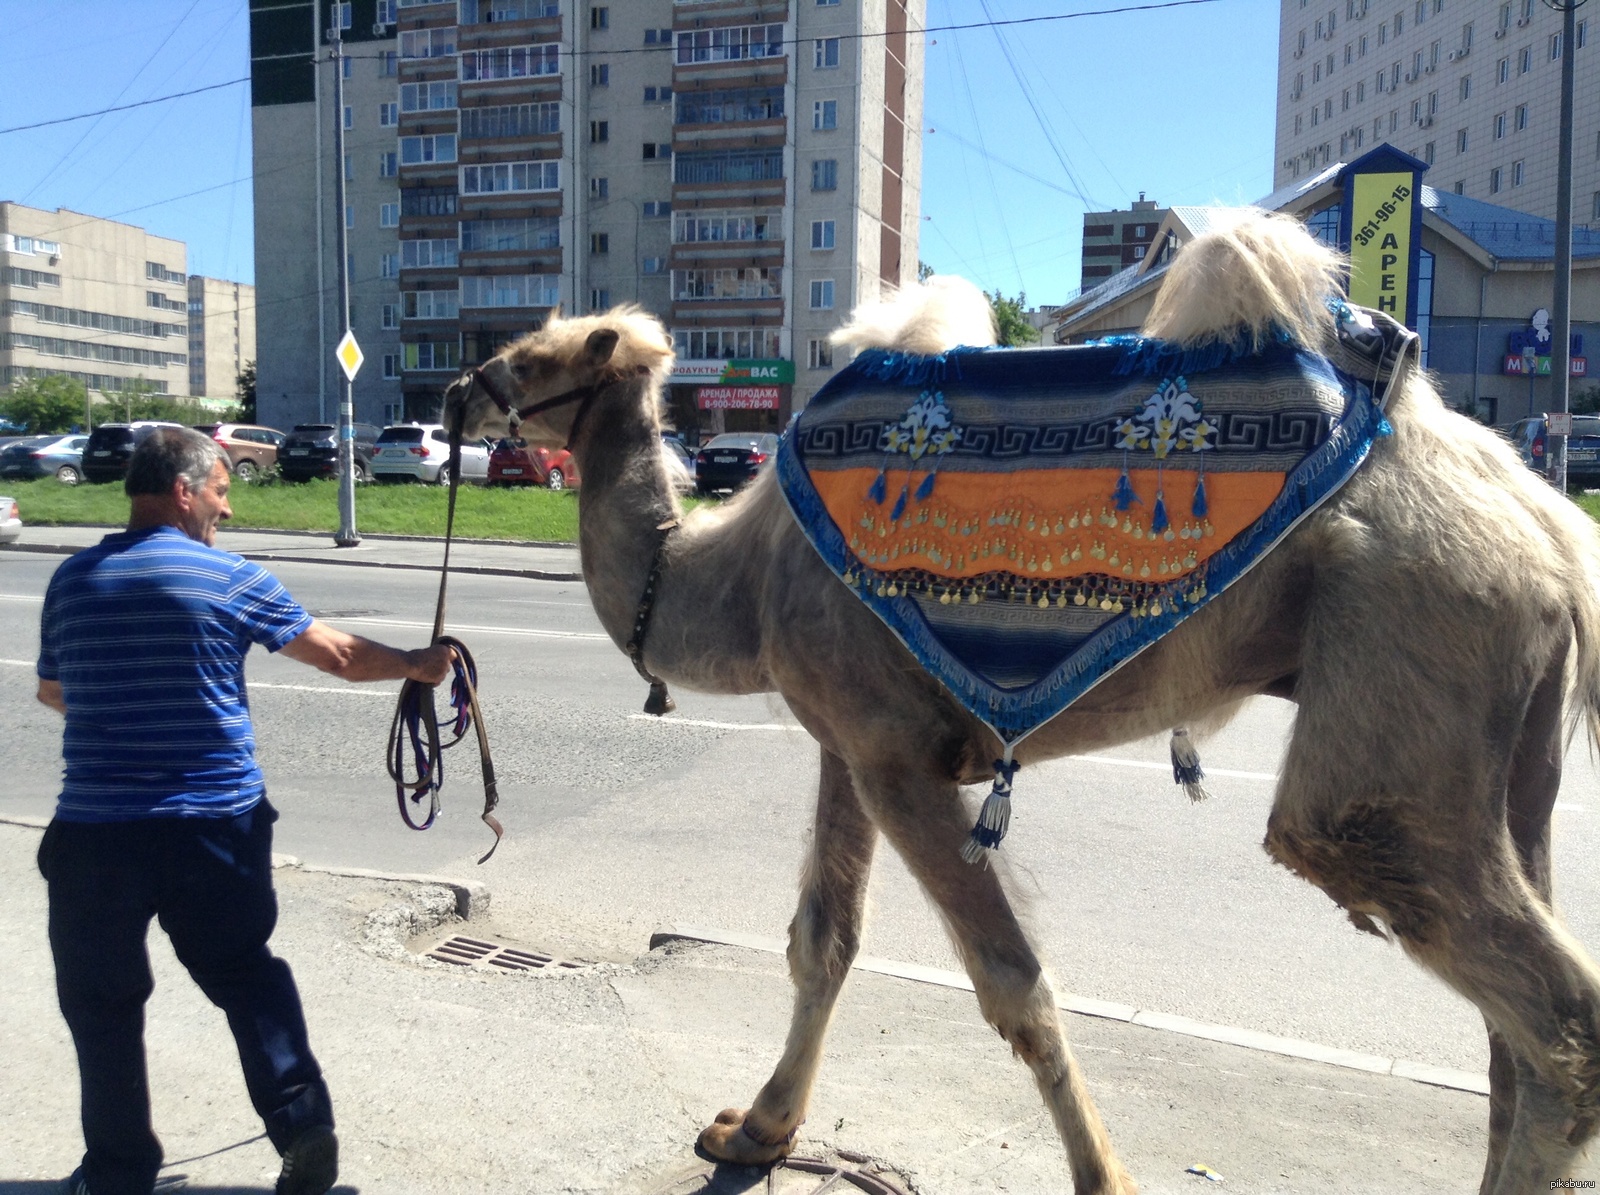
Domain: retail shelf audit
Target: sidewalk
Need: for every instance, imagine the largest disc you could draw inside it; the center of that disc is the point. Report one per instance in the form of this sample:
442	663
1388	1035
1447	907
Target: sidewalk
598	1077
543	562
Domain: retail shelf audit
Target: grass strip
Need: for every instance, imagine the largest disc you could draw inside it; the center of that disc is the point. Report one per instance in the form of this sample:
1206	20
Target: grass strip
525	513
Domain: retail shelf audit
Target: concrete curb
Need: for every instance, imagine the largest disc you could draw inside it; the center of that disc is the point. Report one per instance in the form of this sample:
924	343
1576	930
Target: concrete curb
269	557
1249	1039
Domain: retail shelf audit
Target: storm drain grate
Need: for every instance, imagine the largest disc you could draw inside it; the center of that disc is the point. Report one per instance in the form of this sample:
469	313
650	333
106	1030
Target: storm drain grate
475	952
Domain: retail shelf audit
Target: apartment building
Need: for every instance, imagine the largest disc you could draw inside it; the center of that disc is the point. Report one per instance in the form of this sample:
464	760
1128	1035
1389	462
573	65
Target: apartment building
1470	87
222	335
1115	240
101	302
747	170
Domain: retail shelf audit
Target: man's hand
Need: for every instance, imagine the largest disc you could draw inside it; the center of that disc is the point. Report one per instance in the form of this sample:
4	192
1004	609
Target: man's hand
50	694
430	665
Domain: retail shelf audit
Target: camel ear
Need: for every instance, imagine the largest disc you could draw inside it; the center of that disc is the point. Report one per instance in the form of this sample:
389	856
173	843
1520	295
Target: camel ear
601	344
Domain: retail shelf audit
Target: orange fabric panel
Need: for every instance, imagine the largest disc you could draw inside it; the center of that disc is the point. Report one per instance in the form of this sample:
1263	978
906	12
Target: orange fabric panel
1050	524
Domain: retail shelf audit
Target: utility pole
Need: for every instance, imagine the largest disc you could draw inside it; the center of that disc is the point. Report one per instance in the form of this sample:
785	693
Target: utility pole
1561	308
347	536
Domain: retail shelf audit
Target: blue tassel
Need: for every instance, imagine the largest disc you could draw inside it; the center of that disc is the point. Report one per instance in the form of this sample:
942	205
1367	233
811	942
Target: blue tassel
1385	428
900	503
879	490
1198	507
1124	495
925	489
995	817
1158	517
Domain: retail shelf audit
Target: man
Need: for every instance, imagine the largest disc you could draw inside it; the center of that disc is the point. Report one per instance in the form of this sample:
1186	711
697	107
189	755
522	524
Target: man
163	811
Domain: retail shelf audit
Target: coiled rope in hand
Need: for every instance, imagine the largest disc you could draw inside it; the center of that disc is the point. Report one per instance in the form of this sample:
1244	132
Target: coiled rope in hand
417	728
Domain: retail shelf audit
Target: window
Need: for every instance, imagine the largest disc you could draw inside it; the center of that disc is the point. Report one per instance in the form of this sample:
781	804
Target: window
1461	186
511	177
726	344
1499	125
822	234
340	13
513	120
349	168
388	115
1555	47
347	66
428	97
428	201
1466	87
1494	181
658	37
599	299
1525	61
349	117
730	44
720	107
524	234
436	147
819	354
825	114
349	217
599	188
388	64
391	316
1521	117
656	208
1461	141
657	151
822	294
599	17
511	62
511	290
825	175
430	304
388	265
1516	173
1582	32
826	3
389	215
1427	153
1344	101
700	227
599	242
727	166
653	265
741	282
435	253
599	131
391	364
428	43
432	355
825	53
386	12
600	75
1503	71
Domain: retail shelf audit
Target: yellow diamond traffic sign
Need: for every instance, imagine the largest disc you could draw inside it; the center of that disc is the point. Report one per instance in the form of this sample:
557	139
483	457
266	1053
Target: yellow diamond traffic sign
349	355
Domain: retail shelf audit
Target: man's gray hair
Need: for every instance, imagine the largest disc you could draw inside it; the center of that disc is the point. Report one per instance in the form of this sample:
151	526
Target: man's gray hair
171	454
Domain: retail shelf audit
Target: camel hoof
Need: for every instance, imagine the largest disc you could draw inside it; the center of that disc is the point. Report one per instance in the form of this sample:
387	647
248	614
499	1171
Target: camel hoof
728	1140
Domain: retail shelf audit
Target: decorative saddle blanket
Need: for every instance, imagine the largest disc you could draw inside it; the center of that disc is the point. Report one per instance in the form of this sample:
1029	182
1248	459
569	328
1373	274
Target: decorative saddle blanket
1028	520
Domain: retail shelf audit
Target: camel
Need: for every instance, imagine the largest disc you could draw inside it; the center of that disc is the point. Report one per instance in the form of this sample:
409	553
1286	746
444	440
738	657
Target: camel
1436	622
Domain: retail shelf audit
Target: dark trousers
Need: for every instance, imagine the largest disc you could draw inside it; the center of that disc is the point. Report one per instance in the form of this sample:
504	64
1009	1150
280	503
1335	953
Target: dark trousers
209	881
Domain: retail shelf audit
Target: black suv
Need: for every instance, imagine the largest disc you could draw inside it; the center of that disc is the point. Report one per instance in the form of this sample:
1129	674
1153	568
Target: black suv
105	456
1530	437
312	450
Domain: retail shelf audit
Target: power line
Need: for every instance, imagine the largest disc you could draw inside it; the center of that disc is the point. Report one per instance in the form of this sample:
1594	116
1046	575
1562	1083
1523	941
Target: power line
177	95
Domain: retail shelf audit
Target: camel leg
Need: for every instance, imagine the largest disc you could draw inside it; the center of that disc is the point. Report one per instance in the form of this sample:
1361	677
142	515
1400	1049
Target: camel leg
823	939
925	819
1455	893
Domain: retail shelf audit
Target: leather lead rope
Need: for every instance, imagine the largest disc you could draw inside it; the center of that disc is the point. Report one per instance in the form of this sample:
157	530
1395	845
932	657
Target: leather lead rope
416	723
660	701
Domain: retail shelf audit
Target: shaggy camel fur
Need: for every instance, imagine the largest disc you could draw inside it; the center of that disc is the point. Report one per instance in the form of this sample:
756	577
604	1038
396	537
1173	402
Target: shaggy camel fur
1435	622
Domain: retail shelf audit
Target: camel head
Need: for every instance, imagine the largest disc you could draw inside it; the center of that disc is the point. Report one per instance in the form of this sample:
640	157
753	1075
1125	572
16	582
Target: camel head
568	358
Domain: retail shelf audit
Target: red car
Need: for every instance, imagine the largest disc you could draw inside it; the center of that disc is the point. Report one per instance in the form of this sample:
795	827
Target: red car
512	462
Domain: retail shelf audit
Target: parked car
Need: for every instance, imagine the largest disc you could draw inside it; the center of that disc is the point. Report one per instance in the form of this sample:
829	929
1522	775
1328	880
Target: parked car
251	450
312	450
42	456
674	446
420	451
105	456
513	462
1530	437
10	521
727	461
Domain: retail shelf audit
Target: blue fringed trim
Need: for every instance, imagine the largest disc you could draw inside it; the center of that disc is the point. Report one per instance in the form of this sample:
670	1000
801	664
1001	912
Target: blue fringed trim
912	369
1124	495
925	490
1385	428
900	503
1143	356
1198	507
879	490
1158	517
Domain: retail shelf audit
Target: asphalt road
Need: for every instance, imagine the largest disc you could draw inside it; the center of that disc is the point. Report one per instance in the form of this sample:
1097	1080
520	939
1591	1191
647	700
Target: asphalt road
619	825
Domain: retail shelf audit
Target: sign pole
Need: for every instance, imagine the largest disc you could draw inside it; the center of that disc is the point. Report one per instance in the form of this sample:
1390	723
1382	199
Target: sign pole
1561	308
347	536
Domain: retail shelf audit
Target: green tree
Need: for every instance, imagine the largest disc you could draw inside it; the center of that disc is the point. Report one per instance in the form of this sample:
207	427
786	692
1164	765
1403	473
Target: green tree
924	271
44	405
1010	321
245	392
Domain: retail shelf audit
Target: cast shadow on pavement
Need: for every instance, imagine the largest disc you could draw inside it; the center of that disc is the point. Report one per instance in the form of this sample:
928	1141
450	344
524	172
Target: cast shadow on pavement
163	1187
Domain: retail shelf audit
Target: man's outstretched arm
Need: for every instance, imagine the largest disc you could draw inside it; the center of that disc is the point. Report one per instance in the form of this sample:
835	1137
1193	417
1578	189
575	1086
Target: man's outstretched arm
352	658
50	694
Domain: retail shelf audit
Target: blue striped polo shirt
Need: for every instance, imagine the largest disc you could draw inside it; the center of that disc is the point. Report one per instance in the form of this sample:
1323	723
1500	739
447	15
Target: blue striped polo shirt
147	633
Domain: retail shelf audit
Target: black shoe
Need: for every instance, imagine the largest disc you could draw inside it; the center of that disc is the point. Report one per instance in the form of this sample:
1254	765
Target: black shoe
310	1164
76	1185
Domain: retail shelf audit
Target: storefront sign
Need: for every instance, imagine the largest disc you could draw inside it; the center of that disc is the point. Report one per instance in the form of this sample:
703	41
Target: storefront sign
738	398
1514	363
725	373
1535	341
1380	241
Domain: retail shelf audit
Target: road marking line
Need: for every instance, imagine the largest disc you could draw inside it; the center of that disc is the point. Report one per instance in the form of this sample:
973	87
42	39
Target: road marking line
357	690
1249	1039
716	725
528	632
1167	767
21	597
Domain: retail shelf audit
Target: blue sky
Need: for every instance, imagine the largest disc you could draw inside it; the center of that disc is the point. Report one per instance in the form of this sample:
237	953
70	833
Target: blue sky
1176	102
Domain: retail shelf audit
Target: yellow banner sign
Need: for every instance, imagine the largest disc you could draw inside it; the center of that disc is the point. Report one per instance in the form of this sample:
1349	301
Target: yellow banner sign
1380	242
